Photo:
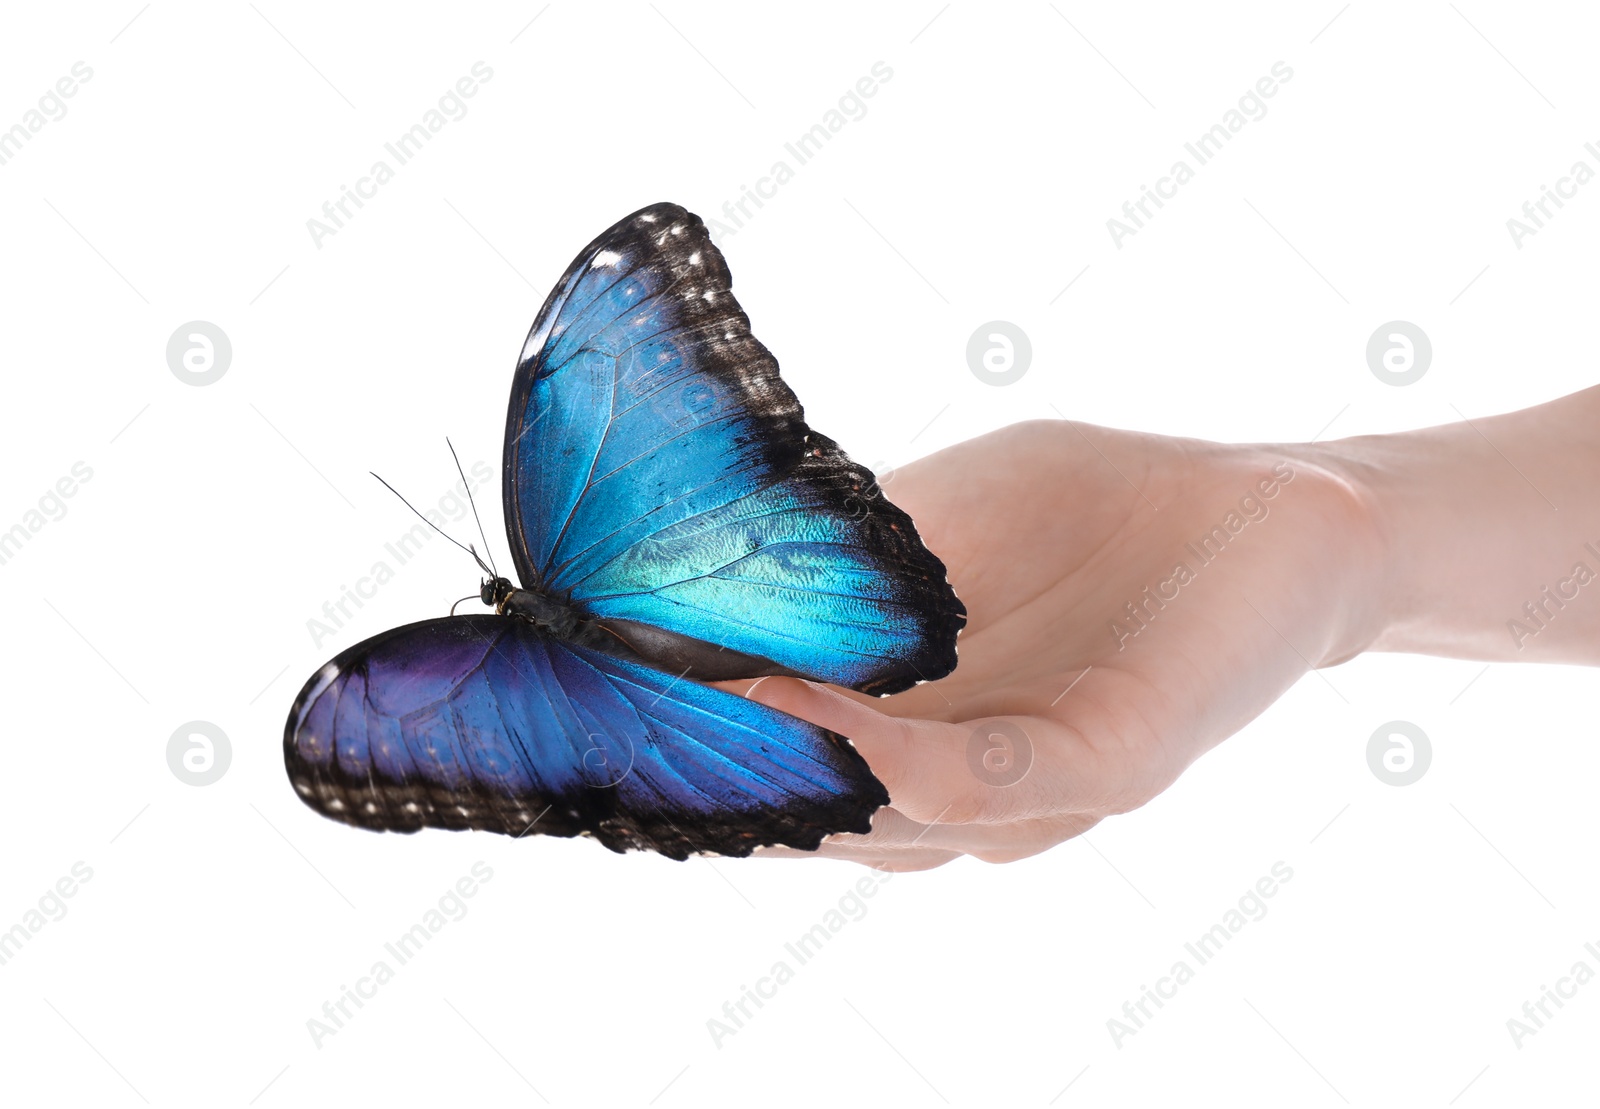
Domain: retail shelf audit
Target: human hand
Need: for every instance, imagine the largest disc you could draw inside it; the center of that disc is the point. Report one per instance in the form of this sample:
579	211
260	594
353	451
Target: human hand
1092	669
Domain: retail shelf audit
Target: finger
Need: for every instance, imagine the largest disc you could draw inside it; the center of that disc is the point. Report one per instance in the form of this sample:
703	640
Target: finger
910	861
893	833
900	752
867	729
925	700
875	857
995	771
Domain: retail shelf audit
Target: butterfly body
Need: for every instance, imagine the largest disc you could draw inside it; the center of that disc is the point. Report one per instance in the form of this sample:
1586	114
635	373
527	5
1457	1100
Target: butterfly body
673	521
557	616
561	619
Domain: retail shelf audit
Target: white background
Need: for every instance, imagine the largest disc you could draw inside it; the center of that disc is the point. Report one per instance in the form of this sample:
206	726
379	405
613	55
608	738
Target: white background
218	521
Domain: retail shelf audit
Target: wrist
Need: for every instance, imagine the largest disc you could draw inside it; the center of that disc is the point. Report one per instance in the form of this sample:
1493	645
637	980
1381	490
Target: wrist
1355	528
1466	534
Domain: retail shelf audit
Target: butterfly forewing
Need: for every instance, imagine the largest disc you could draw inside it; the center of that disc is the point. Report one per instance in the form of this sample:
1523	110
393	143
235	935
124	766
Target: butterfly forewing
659	469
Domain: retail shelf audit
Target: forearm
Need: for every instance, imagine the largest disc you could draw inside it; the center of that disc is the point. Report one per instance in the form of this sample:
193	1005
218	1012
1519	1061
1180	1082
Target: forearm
1488	533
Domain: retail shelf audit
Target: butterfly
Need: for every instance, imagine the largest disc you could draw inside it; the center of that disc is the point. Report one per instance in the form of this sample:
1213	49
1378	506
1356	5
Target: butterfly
673	521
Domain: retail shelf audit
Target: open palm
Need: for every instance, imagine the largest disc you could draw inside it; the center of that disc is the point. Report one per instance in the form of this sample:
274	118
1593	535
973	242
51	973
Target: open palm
1133	600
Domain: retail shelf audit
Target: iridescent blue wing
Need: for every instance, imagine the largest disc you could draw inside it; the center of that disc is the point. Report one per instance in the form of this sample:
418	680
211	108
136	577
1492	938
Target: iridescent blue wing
484	722
659	470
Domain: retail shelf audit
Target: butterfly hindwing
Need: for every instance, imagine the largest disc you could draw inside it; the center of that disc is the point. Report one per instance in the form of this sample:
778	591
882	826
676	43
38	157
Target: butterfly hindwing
659	470
484	722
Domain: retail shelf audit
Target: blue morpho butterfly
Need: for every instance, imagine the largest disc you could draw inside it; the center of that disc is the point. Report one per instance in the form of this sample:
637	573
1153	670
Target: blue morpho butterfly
673	521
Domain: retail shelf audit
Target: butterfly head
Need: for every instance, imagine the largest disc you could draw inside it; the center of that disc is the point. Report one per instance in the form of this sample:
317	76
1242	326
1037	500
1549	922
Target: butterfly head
494	592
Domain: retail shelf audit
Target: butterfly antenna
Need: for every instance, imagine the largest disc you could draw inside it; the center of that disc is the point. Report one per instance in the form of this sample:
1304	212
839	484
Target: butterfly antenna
468	487
436	527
